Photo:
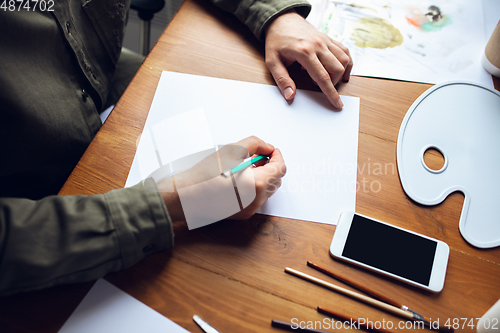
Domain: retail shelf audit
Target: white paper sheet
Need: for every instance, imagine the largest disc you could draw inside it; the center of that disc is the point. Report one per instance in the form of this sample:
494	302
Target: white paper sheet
319	144
107	309
193	138
432	52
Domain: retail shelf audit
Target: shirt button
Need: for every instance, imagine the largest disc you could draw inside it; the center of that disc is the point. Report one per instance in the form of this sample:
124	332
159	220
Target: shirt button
85	94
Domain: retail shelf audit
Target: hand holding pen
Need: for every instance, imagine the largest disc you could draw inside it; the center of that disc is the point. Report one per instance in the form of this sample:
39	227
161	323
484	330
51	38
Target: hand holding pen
263	180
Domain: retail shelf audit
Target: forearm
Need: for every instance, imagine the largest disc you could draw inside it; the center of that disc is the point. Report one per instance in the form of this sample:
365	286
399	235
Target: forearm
67	239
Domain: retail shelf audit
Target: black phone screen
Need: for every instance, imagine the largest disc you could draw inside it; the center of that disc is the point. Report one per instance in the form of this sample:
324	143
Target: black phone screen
390	249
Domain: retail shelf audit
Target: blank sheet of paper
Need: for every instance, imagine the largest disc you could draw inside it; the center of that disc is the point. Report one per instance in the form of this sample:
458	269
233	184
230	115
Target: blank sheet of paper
107	309
318	143
192	139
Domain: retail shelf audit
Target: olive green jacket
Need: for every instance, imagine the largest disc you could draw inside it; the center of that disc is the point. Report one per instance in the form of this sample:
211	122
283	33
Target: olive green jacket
58	70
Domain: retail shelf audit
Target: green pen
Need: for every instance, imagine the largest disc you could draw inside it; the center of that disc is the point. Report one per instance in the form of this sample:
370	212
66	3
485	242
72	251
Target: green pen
245	165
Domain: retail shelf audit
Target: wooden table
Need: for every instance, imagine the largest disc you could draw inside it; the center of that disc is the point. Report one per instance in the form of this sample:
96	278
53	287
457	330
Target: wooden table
231	272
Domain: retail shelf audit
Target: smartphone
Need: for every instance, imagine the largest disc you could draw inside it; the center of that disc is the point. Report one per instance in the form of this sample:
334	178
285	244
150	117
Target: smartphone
402	254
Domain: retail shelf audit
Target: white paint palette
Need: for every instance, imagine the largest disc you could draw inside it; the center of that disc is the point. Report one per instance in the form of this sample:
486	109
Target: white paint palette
462	121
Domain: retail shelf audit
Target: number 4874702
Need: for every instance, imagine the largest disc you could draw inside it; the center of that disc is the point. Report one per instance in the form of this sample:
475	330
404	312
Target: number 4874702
461	323
27	5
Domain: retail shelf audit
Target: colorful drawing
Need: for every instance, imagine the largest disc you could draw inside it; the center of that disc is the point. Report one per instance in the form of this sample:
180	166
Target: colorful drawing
371	24
376	32
432	20
416	40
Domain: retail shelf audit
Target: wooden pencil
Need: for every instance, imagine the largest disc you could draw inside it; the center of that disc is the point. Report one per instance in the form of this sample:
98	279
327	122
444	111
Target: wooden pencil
366	299
360	297
356	285
374	294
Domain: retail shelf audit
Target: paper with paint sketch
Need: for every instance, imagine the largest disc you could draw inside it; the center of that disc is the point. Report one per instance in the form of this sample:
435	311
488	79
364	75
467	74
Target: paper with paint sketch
319	144
412	40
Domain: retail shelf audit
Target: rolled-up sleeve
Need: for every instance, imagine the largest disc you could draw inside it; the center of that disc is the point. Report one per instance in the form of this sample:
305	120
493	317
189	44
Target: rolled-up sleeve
68	239
256	14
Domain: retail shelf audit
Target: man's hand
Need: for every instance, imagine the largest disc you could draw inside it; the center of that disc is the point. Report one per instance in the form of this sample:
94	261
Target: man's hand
205	182
290	38
267	177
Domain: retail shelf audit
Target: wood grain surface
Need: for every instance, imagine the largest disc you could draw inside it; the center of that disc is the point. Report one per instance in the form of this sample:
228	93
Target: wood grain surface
231	273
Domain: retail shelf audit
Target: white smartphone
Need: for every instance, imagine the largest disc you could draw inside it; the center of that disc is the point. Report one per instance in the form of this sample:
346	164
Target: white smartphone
402	254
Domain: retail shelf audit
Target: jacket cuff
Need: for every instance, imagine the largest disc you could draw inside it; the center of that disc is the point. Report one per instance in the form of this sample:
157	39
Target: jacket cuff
266	13
141	220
